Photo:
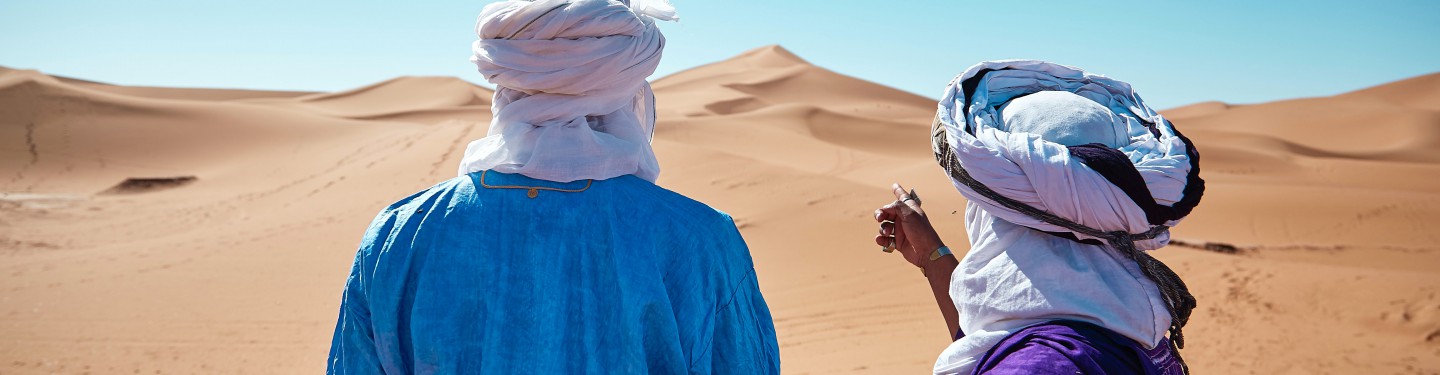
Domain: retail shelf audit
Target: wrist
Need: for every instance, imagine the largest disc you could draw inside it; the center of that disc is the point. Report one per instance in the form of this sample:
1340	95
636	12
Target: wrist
926	245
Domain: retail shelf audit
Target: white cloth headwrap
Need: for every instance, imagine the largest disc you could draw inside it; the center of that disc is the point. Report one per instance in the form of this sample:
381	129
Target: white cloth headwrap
571	101
1015	276
1065	118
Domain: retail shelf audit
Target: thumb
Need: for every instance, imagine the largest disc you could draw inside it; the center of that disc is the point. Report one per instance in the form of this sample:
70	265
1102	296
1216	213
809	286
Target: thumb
899	191
900	195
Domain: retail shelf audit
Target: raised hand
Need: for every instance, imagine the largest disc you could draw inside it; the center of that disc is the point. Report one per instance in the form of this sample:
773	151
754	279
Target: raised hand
904	226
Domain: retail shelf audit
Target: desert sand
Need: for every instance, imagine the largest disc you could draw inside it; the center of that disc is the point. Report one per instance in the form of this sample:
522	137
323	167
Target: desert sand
148	230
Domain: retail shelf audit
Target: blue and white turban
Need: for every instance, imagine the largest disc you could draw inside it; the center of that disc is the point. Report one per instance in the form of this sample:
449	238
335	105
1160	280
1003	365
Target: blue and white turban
1093	175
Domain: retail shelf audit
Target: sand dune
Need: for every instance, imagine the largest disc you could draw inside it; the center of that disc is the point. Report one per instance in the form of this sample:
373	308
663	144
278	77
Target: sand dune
1326	201
418	99
1419	92
771	76
1186	112
171	92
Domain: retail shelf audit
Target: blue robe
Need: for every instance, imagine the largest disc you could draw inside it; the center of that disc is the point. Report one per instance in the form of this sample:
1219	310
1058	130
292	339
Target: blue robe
622	278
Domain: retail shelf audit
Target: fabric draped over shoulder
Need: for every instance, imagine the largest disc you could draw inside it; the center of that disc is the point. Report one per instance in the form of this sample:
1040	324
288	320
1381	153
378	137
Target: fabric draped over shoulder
571	100
1060	232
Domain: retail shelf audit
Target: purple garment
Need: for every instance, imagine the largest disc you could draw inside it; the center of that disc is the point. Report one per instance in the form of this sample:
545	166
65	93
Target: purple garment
1068	347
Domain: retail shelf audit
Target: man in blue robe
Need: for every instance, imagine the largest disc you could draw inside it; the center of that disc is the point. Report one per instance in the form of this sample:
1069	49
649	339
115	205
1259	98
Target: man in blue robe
554	251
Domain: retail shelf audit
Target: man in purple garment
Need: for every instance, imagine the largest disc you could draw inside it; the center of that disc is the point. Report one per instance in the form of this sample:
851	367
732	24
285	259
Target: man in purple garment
1070	178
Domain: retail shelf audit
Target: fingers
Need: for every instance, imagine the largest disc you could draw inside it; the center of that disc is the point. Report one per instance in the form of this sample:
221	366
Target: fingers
889	212
886	235
895	233
903	199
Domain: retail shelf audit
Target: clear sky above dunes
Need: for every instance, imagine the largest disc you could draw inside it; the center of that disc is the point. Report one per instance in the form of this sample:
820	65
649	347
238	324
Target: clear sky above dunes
1174	52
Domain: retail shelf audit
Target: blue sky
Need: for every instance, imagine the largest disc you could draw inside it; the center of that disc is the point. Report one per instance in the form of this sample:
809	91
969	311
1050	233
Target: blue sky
1174	52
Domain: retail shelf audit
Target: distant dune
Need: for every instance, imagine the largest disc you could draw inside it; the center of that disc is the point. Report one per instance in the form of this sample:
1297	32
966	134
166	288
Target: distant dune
176	230
169	92
414	99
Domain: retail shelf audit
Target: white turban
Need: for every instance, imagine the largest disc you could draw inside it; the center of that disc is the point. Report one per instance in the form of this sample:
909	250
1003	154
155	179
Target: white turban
1050	175
1065	118
1070	177
571	102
